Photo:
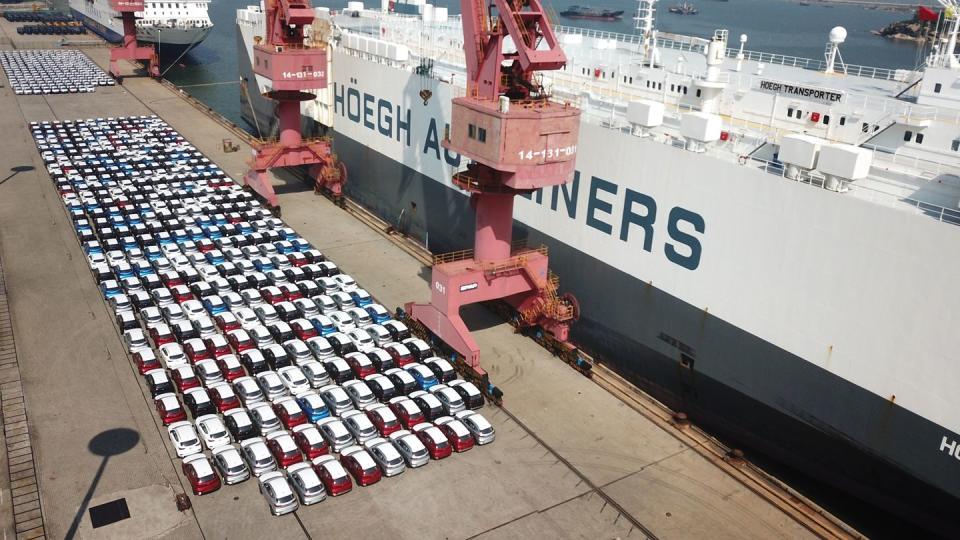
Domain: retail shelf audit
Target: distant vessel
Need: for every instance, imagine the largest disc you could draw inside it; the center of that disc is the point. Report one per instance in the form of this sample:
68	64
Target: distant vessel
173	25
587	12
684	8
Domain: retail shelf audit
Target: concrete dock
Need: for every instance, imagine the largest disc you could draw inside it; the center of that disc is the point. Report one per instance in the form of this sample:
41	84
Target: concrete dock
570	459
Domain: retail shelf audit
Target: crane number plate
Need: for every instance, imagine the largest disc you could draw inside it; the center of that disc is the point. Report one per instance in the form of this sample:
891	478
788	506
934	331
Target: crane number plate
548	153
302	74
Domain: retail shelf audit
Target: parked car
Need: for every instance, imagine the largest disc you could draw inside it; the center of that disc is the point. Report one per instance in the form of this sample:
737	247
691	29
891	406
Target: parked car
434	440
359	426
479	427
184	438
265	419
283	449
422	374
275	489
382	418
212	431
471	395
240	425
203	479
336	480
449	398
248	390
158	382
230	464
404	382
337	400
306	483
335	433
198	401
457	434
289	412
407	411
389	460
223	397
441	369
312	405
310	441
315	373
359	393
359	463
169	408
381	386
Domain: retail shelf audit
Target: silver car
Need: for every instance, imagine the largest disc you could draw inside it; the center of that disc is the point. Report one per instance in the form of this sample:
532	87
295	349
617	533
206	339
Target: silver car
265	419
411	448
315	373
248	391
335	432
275	489
479	427
306	483
449	398
272	385
359	393
257	456
320	347
386	455
230	463
336	399
359	425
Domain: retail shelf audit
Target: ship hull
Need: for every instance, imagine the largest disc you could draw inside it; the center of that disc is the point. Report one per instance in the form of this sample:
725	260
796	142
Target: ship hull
171	41
739	385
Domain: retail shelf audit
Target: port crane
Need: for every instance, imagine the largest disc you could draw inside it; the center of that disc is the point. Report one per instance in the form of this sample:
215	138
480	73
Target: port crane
518	140
128	49
293	64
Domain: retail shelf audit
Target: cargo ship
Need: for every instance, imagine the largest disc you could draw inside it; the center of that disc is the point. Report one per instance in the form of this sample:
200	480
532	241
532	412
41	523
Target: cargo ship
586	12
174	26
764	242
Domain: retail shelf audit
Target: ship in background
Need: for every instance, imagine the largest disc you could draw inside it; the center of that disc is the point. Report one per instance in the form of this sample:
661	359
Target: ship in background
765	242
175	26
586	12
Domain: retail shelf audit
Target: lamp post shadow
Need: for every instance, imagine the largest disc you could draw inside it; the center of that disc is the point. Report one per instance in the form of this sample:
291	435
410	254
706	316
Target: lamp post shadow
17	170
108	443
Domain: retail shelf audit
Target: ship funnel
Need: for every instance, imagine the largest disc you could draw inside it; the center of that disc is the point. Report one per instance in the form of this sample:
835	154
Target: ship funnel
644	115
843	163
799	153
699	129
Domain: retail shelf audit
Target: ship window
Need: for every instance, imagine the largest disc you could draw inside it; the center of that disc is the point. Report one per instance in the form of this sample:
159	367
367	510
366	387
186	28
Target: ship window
955	145
799	113
660	86
865	128
684	90
937	88
631	80
698	92
472	131
876	128
919	138
673	88
826	119
843	120
907	135
482	135
790	112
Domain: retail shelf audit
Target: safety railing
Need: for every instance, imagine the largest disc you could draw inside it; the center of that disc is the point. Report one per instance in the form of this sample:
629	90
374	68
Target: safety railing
517	248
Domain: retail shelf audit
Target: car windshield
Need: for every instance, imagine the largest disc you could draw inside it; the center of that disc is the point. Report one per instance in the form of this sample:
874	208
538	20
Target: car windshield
206	477
283	499
218	434
190	442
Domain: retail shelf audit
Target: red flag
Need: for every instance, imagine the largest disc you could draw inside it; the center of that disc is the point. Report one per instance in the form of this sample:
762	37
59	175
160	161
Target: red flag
927	14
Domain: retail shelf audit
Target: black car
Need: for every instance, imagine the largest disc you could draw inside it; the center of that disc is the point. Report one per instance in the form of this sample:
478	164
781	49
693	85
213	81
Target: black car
342	345
420	350
309	288
183	331
287	312
140	299
276	356
430	413
295	274
158	382
126	321
240	425
151	282
254	361
281	331
473	401
239	282
384	392
199	403
102	273
338	370
201	289
381	360
441	369
403	386
398	330
258	280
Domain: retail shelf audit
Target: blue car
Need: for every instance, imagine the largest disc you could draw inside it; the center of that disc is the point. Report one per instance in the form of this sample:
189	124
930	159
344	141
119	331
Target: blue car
422	375
212	231
214	305
361	297
215	257
110	288
323	327
313	407
300	244
92	247
143	269
263	264
378	313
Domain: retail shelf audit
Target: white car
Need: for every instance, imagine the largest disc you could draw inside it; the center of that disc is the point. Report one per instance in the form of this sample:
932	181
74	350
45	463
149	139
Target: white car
193	309
345	282
184	438
212	431
342	321
135	340
151	316
325	303
293	379
246	317
306	483
479	427
298	350
172	356
362	340
229	462
360	317
275	489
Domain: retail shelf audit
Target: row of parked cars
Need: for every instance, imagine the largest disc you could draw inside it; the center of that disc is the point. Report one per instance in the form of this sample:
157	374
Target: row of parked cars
51	71
263	358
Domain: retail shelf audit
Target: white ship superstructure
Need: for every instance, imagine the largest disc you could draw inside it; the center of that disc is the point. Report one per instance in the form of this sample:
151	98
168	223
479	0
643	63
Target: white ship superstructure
766	242
178	25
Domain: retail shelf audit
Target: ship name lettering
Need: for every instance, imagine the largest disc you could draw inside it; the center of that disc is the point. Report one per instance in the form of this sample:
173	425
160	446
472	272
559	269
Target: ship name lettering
637	213
388	120
950	447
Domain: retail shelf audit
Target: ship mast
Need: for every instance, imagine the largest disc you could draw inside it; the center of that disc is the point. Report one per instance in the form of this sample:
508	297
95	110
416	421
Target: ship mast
646	10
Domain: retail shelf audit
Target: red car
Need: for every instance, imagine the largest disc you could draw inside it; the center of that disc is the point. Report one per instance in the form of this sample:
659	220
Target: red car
309	441
438	446
205	245
297	259
169	408
218	346
303	329
181	293
145	361
457	435
360	364
383	419
240	341
284	450
290	291
400	353
200	474
223	397
272	295
184	378
230	367
289	413
171	279
407	411
161	335
363	468
227	322
196	349
334	477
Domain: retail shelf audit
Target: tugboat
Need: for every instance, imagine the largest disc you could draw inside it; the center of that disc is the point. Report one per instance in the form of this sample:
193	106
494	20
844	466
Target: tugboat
586	12
684	8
